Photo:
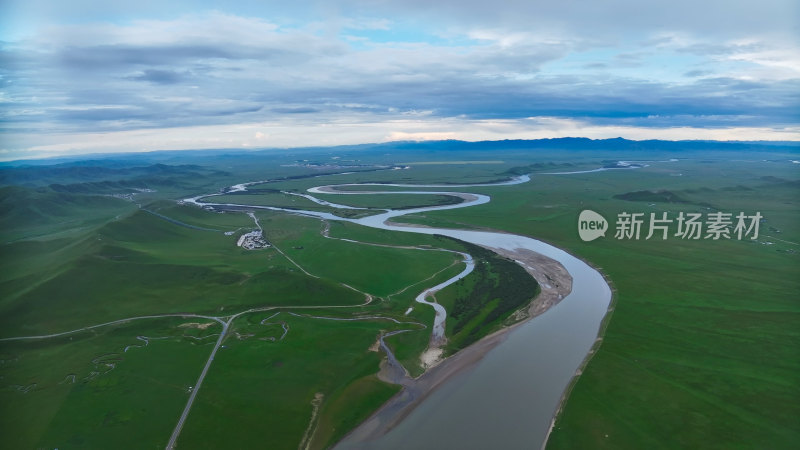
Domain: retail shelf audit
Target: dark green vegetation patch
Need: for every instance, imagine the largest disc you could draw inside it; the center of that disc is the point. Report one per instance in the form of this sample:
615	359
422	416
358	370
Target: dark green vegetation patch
478	304
652	196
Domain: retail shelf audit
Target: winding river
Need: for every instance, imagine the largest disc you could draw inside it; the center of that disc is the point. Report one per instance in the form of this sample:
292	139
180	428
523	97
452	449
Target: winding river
508	398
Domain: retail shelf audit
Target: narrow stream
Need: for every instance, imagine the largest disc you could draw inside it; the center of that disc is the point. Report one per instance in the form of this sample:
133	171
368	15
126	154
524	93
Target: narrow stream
441	313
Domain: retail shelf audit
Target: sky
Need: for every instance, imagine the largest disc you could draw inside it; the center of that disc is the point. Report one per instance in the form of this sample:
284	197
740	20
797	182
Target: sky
103	76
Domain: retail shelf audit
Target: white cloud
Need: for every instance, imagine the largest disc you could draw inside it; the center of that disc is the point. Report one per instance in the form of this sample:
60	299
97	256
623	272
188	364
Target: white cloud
196	29
465	69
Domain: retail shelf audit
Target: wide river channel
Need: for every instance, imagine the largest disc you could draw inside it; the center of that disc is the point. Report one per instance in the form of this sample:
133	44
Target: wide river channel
507	400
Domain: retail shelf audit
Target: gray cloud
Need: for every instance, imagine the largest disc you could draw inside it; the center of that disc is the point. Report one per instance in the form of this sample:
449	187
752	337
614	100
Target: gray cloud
298	110
484	83
697	73
223	69
159	76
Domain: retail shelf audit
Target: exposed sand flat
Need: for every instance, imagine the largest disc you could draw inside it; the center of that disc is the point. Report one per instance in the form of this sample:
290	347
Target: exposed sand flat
554	280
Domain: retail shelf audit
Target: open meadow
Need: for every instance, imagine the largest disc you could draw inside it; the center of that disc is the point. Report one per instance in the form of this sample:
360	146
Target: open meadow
121	292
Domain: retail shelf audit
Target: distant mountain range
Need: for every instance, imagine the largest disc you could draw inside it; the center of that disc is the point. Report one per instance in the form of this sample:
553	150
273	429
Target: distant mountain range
126	160
570	143
91	175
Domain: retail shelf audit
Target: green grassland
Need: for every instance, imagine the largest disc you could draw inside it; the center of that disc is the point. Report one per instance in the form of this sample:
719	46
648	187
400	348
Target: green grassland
390	201
479	303
379	271
75	399
702	347
200	218
346	230
145	265
282	377
268	198
713	339
167	258
414	175
263	196
44	214
281	200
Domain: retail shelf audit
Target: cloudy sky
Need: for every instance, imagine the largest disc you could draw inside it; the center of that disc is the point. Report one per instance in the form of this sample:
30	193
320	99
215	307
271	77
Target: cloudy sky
104	76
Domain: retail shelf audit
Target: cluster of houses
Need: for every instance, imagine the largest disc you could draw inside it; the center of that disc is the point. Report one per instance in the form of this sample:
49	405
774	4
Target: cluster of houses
252	240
